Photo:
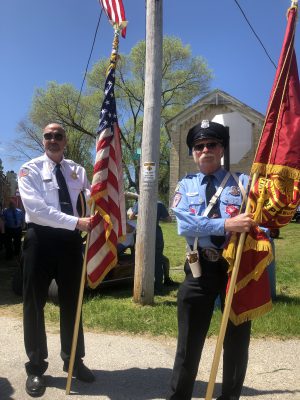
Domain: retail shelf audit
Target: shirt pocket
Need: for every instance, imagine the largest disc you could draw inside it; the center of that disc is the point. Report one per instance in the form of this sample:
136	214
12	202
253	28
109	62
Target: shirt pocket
231	204
195	203
50	192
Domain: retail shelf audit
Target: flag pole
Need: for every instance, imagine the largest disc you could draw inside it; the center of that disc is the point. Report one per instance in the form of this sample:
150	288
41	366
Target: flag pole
228	302
286	83
113	58
78	311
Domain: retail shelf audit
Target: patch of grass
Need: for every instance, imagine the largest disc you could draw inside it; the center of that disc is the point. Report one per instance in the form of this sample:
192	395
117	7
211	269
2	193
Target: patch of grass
174	244
114	310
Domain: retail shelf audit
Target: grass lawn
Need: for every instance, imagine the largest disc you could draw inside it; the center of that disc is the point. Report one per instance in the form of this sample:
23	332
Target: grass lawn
115	310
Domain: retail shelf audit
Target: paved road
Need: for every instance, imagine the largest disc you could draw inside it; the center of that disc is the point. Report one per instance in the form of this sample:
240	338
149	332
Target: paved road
139	368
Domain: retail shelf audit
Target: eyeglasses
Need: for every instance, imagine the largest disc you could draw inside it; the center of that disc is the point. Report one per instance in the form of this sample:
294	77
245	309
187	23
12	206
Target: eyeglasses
57	136
209	146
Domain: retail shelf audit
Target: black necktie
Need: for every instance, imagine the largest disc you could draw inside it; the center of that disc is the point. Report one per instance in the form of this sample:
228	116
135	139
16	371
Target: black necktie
63	193
215	211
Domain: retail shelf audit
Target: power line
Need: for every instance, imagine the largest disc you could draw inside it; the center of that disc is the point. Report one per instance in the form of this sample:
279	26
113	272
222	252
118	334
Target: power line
88	62
269	57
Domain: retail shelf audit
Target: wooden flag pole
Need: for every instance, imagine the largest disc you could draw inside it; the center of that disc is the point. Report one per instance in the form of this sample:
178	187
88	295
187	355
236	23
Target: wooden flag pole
228	301
78	312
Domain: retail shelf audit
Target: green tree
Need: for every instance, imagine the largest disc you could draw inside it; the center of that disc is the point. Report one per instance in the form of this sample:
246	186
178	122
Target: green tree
29	144
184	79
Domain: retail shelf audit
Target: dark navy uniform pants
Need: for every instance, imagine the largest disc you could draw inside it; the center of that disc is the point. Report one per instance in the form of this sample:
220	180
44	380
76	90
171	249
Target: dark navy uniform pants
196	300
50	254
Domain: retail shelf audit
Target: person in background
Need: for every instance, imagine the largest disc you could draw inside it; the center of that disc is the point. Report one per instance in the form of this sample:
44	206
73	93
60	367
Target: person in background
162	215
205	216
13	225
129	240
166	272
52	188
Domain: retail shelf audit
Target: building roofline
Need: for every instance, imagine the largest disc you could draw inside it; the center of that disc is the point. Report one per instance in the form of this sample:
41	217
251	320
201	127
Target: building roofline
212	97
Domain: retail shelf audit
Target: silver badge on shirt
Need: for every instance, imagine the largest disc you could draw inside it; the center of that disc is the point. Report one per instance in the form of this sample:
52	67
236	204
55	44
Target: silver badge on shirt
235	191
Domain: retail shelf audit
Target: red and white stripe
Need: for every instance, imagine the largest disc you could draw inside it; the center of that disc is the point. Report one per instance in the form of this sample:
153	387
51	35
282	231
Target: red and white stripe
115	12
109	222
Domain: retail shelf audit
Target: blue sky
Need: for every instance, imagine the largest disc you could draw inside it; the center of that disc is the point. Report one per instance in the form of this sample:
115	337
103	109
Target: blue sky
42	41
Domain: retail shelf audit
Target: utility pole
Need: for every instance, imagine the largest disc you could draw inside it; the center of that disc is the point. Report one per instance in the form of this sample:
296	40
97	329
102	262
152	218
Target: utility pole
147	213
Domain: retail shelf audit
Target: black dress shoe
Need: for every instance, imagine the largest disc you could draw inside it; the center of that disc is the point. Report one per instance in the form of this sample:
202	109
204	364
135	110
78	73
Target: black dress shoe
35	385
81	372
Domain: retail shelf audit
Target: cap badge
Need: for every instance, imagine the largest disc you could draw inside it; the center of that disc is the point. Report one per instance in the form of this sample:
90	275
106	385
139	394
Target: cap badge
205	123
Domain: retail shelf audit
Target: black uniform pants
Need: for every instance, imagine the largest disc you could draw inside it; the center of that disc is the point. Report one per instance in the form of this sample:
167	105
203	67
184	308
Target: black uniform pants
50	254
196	300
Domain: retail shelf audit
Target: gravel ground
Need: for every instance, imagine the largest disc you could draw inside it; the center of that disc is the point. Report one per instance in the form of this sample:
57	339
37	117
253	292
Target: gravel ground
139	367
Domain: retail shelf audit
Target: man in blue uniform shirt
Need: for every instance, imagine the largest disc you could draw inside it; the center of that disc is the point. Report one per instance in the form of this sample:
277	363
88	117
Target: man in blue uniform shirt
50	187
207	207
13	222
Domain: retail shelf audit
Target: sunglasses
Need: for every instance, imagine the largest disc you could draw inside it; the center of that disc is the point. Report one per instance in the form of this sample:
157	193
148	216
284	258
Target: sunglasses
56	136
209	146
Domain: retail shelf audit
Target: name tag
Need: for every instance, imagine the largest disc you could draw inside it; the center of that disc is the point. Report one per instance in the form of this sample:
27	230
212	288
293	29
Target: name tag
192	194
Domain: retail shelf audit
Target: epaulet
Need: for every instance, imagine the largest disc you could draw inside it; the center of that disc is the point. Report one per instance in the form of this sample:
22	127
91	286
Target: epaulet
72	163
189	176
32	163
238	173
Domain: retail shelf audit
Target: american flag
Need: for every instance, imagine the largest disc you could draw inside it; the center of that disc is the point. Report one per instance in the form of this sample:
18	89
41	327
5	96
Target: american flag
115	12
109	222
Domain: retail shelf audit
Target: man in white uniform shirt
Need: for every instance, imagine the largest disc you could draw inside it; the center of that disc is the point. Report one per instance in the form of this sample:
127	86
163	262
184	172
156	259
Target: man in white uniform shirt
50	187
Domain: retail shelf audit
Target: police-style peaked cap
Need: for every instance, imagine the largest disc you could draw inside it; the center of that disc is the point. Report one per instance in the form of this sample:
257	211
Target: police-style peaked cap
207	130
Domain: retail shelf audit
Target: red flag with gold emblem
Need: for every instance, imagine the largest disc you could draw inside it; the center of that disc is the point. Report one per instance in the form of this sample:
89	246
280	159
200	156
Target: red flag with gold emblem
275	194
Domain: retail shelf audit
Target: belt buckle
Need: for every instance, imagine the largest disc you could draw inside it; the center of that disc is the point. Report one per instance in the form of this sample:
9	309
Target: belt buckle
211	254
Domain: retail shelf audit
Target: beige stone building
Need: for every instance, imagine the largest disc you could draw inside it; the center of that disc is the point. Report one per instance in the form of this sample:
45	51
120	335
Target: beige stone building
245	126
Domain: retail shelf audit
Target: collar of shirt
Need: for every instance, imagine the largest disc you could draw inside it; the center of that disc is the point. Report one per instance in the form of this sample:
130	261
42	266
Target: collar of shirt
219	175
53	163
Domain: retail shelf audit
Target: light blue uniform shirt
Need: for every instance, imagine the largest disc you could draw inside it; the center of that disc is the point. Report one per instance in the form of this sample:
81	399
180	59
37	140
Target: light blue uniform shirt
189	205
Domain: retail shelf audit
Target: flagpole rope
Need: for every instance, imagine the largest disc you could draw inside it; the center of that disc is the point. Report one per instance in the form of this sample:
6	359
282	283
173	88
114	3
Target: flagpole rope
256	35
88	62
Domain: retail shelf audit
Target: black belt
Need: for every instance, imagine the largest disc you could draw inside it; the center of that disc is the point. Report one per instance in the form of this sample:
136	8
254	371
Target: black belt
211	254
59	232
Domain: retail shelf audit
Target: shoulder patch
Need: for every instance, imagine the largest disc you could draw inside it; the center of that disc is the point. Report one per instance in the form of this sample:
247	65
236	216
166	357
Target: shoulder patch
176	200
23	172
